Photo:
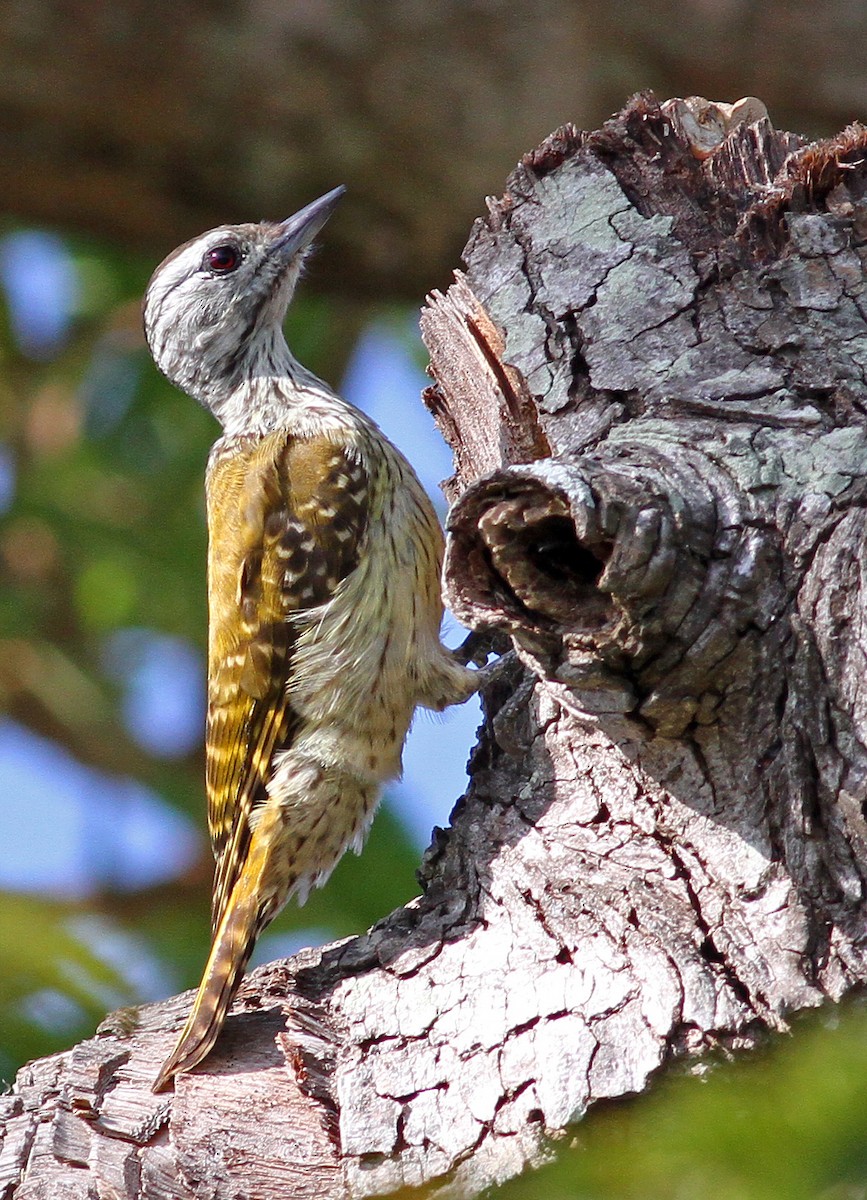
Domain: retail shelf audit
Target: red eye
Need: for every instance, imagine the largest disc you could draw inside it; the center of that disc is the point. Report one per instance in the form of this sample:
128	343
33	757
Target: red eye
223	259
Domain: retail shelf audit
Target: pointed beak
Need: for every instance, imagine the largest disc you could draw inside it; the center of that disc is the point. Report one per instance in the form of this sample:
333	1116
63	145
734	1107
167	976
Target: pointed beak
298	231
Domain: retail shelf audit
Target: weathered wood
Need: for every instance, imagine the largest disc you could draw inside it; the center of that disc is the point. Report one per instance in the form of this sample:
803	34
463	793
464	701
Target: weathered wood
652	372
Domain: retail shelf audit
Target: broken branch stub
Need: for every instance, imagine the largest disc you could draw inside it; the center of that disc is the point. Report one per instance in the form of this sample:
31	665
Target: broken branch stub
662	310
628	583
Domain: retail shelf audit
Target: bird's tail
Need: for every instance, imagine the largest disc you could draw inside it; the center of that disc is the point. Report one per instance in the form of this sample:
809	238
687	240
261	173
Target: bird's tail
230	952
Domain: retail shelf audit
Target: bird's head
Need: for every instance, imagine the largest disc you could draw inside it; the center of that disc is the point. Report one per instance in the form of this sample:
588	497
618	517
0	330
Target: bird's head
214	309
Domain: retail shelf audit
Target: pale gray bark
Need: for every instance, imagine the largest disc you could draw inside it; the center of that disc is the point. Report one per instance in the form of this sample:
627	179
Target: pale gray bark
653	376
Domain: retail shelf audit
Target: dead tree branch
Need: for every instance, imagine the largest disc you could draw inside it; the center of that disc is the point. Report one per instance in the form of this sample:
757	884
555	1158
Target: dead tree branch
653	377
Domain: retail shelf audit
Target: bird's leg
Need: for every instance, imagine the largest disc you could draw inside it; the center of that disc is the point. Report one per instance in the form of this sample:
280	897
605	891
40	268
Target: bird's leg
478	646
496	671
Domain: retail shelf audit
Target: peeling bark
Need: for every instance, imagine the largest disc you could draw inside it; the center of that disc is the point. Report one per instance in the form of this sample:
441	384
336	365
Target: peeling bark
652	373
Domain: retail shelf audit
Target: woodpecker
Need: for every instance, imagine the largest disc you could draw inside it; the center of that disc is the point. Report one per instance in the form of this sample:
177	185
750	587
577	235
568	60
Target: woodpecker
324	593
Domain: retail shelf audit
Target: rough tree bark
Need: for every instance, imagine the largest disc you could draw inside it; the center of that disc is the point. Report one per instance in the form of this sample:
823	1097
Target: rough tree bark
653	375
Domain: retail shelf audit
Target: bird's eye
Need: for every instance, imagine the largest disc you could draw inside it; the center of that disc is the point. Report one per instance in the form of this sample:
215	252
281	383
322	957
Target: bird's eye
222	260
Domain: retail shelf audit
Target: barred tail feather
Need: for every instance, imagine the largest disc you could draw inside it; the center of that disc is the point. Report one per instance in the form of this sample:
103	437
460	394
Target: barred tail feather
230	952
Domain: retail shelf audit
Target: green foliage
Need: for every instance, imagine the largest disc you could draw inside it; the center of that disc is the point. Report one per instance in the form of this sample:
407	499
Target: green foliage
54	987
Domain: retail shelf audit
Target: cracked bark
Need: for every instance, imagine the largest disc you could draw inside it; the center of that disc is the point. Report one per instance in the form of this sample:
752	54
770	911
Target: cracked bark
652	374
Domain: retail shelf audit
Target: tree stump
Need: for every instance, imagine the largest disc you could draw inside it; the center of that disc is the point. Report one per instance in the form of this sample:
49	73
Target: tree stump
652	374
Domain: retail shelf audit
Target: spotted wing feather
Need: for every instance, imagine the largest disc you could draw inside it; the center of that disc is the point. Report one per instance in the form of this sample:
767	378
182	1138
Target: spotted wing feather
287	520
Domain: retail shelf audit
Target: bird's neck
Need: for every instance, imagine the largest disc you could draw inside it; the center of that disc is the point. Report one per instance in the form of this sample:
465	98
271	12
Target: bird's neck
266	390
